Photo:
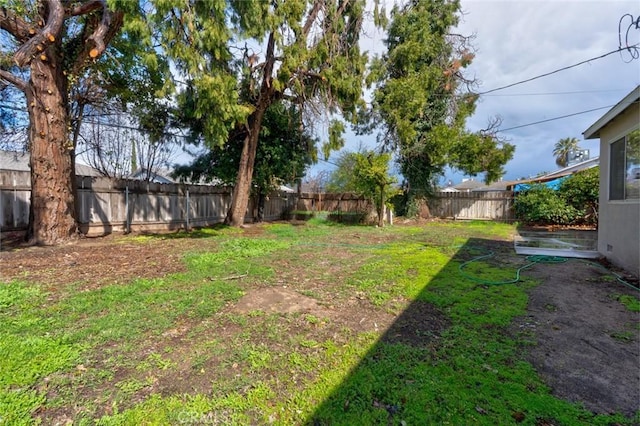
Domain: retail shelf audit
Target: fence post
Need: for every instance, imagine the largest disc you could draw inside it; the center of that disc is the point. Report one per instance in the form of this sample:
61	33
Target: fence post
188	208
127	226
15	203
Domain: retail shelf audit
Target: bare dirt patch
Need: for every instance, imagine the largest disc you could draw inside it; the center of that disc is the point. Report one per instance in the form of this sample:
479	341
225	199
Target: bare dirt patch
93	262
280	300
587	344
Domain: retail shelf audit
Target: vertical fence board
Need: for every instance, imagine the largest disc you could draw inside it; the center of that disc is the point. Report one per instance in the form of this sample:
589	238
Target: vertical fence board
485	205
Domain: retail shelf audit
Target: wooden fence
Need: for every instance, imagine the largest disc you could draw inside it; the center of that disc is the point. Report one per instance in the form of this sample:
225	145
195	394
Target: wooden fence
327	202
481	205
106	205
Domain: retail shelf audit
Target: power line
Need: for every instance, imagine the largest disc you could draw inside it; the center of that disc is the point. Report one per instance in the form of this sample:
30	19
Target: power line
99	123
555	118
620	49
558	93
138	129
328	162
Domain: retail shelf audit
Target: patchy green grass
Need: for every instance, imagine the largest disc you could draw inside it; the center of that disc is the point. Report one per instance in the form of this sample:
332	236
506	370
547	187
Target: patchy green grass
630	302
172	350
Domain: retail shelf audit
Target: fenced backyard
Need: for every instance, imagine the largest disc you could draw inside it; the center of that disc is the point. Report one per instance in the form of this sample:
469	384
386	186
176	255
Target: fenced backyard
106	205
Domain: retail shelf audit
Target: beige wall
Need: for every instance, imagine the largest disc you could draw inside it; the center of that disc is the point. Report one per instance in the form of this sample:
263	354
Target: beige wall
618	221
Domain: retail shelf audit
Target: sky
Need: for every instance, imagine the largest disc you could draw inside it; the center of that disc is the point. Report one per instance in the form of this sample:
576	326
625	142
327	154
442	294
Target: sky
517	40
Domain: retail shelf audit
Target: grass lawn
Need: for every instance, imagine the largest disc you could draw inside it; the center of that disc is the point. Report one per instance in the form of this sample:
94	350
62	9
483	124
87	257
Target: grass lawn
394	332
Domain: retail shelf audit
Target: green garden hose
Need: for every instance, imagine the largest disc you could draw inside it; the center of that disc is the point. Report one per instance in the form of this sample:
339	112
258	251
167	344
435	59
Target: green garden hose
532	260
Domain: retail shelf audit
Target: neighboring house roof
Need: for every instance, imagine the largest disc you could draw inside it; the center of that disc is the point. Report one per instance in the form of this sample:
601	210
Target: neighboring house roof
593	132
285	188
501	185
468	185
161	176
19	161
14	160
563	172
449	189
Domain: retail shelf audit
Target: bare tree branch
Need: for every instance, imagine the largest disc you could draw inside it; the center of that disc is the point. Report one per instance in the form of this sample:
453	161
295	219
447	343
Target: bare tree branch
14	80
340	10
313	13
15	25
100	37
46	36
85	8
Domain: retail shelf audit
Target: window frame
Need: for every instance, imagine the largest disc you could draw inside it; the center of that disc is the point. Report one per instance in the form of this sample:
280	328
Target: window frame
618	169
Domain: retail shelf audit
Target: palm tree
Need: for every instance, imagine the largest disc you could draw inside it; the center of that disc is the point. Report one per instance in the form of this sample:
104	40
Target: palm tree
562	149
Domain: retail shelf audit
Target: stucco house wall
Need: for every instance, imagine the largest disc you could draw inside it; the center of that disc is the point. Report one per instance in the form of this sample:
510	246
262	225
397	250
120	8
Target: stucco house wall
618	220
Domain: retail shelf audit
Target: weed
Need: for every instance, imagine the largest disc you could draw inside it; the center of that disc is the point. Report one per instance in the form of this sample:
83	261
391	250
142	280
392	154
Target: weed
623	336
312	319
155	361
630	302
130	386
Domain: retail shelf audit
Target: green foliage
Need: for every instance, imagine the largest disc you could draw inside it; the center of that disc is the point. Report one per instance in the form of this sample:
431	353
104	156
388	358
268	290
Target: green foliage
341	179
349	218
581	191
576	201
542	205
365	173
417	98
630	302
311	55
336	140
285	150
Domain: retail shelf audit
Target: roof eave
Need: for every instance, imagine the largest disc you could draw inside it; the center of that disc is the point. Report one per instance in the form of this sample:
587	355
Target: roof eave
593	132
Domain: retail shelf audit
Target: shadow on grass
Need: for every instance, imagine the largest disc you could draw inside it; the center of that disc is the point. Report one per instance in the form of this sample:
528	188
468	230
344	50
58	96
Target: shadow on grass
450	357
207	232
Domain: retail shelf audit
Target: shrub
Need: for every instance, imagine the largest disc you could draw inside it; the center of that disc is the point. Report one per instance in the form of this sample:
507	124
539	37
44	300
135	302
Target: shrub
581	191
575	201
300	215
542	205
347	218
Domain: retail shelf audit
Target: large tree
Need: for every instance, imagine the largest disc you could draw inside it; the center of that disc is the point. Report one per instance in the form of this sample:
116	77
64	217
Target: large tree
285	150
305	51
422	99
46	46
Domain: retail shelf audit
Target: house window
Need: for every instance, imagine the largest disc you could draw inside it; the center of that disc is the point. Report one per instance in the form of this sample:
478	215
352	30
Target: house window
624	170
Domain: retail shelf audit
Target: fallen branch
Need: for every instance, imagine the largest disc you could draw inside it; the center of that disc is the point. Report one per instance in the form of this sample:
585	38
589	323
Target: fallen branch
233	277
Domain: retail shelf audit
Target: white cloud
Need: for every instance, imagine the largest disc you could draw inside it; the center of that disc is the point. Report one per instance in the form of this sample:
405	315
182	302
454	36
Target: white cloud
517	40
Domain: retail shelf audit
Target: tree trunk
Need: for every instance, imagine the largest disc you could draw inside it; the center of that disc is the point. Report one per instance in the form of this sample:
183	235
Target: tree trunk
242	189
381	208
240	197
262	198
52	197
